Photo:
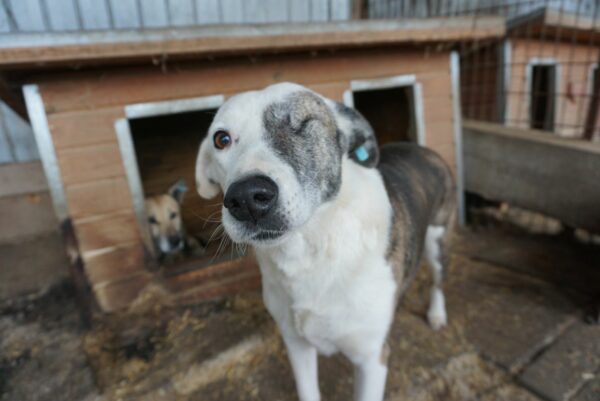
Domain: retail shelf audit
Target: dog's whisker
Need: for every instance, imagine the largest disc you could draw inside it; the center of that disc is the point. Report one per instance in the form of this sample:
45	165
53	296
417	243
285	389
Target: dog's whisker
217	231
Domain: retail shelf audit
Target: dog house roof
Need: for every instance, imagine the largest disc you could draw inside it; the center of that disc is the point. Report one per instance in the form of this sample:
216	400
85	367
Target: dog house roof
76	49
556	24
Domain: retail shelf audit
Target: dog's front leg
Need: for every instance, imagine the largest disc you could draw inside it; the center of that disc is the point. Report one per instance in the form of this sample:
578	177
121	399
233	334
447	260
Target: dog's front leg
370	376
303	358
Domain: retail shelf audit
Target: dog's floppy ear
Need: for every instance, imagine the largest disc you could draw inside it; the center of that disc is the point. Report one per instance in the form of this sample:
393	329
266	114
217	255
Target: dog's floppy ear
206	183
360	141
178	190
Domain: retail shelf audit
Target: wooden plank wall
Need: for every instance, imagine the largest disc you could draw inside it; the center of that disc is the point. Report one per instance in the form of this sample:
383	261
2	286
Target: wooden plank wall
83	107
85	15
575	62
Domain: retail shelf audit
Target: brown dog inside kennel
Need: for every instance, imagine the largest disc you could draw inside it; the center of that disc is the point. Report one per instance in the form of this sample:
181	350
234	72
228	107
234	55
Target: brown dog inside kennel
166	147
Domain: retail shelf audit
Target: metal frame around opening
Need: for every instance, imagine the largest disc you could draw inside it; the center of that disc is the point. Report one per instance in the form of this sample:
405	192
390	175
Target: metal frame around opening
397	81
43	139
127	148
529	81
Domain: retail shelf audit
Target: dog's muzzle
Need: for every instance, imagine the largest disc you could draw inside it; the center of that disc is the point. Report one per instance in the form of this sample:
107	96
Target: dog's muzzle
251	199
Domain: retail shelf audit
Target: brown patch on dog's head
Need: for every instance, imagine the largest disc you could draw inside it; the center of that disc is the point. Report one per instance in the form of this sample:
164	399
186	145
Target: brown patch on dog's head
164	219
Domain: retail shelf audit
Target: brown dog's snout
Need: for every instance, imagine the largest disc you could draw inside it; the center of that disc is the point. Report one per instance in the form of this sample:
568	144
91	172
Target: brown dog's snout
251	198
175	241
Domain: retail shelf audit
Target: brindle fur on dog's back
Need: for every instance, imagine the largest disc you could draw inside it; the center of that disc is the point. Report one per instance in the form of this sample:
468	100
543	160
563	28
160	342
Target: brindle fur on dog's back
429	202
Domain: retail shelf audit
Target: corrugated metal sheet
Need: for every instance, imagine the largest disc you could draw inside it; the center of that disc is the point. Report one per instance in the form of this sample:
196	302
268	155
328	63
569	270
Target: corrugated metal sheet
82	15
17	143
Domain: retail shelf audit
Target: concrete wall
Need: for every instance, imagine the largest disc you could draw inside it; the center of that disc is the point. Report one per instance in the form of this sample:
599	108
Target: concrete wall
25	206
533	170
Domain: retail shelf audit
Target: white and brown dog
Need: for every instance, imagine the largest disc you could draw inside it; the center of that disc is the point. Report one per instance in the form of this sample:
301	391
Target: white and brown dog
166	225
337	240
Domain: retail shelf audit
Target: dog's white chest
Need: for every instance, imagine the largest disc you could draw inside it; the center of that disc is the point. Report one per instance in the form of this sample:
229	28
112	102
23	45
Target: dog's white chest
330	284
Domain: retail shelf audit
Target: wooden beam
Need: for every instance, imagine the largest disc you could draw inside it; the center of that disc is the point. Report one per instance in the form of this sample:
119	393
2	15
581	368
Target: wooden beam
35	50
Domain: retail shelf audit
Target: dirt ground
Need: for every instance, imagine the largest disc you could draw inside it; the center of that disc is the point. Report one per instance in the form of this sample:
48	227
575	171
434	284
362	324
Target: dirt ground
516	304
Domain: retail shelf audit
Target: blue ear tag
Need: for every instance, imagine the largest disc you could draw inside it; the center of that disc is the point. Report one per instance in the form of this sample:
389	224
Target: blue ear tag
361	153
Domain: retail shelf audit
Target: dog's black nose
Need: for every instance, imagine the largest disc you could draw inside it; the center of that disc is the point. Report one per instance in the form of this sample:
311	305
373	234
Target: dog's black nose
251	198
174	241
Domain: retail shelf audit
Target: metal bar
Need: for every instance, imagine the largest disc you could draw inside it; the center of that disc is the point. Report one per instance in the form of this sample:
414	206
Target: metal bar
41	131
457	123
134	181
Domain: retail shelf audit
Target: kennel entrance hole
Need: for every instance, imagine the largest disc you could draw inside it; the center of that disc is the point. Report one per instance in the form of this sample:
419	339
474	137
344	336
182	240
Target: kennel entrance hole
166	148
543	95
391	112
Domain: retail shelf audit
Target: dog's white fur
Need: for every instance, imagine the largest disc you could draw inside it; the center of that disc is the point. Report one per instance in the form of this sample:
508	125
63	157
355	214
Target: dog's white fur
329	287
326	282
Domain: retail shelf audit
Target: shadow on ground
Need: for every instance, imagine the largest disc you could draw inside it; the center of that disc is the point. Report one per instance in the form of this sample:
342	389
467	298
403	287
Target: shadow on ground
516	333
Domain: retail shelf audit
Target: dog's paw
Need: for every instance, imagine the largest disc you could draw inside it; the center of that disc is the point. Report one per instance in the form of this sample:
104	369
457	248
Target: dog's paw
436	319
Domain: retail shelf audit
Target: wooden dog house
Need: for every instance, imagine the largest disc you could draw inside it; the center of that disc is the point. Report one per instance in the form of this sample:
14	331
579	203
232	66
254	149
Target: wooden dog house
541	76
118	118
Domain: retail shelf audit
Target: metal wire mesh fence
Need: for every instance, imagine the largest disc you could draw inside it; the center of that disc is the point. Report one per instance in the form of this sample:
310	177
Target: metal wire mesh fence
542	75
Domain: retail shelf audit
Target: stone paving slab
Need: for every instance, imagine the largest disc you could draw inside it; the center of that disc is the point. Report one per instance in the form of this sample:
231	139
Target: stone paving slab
555	259
509	392
590	392
562	370
508	317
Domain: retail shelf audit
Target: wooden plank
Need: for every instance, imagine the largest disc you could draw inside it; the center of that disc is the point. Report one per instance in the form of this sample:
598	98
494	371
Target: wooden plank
20	135
154	13
113	265
22	178
438	109
62	15
241	39
98	197
299	10
229	286
90	163
125	14
439	133
207	12
88	91
447	152
436	85
95	14
233	11
28	15
26	216
181	12
332	90
82	128
107	231
119	294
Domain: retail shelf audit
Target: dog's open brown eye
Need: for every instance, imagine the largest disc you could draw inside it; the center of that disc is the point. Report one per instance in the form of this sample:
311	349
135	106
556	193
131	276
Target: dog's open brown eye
172	215
222	139
152	220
